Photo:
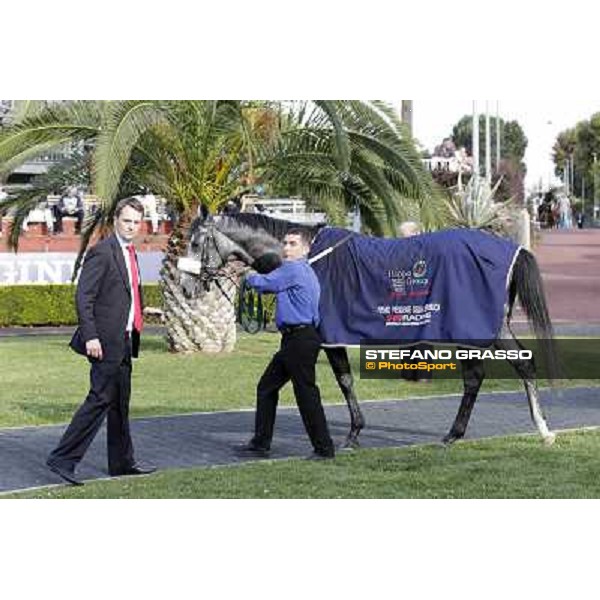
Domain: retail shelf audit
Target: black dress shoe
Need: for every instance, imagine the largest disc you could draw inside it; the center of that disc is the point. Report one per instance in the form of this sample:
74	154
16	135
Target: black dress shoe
134	469
320	456
67	474
251	449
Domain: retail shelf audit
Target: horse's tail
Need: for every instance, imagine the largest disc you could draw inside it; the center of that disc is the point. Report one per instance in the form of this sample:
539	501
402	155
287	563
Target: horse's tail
526	284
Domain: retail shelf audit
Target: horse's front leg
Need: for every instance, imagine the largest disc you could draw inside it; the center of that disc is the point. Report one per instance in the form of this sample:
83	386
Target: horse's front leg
338	359
473	376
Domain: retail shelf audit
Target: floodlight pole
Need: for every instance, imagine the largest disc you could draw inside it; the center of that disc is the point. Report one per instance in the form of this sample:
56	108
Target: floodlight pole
475	133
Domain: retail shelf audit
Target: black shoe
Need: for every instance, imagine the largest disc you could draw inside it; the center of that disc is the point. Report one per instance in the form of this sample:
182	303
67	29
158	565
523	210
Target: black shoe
134	469
320	456
67	474
250	449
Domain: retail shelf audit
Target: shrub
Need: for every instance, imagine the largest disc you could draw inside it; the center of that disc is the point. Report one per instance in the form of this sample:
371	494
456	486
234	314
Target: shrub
31	305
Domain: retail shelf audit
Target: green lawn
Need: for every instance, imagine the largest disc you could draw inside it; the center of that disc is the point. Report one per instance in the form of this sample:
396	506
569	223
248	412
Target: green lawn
516	467
43	381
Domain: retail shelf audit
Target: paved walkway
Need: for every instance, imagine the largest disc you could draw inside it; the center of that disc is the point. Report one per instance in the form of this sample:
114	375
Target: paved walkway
205	439
570	264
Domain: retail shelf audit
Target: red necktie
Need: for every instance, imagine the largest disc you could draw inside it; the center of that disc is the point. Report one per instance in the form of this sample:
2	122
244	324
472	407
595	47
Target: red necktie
138	321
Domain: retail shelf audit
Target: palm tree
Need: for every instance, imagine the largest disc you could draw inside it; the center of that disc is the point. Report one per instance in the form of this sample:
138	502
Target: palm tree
339	154
348	155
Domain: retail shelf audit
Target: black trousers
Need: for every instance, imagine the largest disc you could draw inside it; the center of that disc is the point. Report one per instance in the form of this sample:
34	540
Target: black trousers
110	390
59	214
296	361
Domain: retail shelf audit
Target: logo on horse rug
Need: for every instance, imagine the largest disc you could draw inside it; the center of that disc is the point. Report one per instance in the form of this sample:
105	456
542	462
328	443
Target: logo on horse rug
448	286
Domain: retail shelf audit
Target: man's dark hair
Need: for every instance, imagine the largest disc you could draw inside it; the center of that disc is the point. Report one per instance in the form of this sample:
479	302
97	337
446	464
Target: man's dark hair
133	202
303	233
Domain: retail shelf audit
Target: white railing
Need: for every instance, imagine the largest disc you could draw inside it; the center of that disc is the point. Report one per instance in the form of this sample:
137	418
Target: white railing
290	209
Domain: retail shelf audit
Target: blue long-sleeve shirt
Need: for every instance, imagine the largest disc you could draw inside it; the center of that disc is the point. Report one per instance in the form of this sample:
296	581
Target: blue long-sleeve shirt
297	289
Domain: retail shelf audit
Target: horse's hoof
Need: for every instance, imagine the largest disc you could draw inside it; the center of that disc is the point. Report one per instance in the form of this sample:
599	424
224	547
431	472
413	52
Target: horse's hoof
549	439
349	446
450	439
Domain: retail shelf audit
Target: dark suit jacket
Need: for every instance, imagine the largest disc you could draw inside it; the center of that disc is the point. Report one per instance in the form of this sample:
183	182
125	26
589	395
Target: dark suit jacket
103	300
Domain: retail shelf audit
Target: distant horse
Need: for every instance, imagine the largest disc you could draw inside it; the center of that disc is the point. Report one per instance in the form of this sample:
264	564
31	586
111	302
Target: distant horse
547	215
256	241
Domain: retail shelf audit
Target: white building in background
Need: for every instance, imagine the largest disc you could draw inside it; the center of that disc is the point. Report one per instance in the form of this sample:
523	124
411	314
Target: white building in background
460	163
446	157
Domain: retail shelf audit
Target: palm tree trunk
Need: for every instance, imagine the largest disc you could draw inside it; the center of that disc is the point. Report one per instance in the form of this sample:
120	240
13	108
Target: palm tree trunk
205	324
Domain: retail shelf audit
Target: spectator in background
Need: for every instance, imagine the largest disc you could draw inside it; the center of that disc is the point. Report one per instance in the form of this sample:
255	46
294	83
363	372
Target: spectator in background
564	211
70	204
43	210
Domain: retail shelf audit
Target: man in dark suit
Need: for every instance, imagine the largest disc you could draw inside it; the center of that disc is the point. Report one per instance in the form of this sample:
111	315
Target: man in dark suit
109	307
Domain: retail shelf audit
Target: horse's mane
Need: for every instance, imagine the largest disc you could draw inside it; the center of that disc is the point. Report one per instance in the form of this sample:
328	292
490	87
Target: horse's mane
274	227
257	234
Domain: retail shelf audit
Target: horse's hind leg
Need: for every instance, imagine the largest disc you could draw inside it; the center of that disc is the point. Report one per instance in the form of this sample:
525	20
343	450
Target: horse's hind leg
526	370
338	359
473	376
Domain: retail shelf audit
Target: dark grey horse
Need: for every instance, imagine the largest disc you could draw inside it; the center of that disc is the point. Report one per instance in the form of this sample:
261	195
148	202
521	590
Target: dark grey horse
256	241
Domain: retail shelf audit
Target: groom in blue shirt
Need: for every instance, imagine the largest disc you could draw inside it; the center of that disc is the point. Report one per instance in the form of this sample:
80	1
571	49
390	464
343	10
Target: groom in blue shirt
297	318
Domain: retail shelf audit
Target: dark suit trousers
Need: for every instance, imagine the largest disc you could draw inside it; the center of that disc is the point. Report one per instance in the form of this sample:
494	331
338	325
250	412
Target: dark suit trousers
295	360
110	390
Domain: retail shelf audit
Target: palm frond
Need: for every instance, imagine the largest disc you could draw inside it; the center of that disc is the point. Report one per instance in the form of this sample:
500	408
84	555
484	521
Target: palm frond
10	164
19	206
48	128
122	126
340	135
98	222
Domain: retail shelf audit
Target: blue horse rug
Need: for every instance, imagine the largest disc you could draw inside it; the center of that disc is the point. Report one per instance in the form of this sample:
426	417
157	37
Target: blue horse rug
449	286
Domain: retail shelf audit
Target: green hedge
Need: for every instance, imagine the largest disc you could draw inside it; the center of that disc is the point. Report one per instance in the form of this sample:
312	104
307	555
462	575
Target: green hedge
29	305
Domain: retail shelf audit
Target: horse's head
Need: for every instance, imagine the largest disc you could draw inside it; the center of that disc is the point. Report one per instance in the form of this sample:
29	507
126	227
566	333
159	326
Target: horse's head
203	258
217	243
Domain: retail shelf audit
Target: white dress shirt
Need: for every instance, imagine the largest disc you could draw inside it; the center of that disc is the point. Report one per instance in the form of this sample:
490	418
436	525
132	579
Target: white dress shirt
124	246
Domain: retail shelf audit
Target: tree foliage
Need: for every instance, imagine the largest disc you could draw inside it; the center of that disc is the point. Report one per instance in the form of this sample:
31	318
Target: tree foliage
581	143
336	154
512	138
510	173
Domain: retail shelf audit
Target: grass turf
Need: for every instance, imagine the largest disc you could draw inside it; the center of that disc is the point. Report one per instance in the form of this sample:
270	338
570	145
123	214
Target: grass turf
512	467
43	382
